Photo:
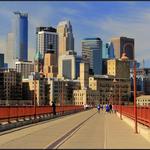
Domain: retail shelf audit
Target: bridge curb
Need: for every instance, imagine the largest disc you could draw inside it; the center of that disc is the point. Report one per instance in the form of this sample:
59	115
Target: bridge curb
142	130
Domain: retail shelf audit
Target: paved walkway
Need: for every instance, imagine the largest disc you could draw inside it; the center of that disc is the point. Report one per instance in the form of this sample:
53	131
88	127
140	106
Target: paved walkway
90	130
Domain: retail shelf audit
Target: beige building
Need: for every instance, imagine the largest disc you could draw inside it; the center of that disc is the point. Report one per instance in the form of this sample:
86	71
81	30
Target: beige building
10	51
86	96
84	75
39	87
109	90
118	68
83	95
143	100
61	91
50	65
65	37
67	66
25	68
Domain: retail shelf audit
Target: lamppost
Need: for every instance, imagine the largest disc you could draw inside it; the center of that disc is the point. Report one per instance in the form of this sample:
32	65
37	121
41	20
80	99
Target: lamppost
120	105
135	106
124	57
111	96
120	102
114	82
34	77
62	103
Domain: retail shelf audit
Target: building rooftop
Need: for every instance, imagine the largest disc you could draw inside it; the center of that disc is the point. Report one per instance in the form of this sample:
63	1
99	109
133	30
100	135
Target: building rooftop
65	22
97	38
38	56
144	96
47	29
20	14
19	62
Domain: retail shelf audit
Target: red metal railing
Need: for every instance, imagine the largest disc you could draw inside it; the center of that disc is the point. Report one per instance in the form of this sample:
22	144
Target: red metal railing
143	113
16	112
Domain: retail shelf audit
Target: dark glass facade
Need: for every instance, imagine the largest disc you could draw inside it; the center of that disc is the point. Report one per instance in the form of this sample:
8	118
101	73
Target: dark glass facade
78	61
67	68
127	46
21	36
92	54
1	60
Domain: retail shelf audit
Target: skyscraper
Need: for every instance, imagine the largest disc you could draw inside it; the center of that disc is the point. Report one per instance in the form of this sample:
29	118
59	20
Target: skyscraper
66	39
108	51
1	60
10	53
92	53
20	31
123	44
105	50
47	40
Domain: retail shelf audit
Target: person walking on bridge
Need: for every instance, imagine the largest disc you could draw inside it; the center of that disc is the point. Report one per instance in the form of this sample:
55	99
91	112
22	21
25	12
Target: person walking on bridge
98	108
110	108
54	108
107	108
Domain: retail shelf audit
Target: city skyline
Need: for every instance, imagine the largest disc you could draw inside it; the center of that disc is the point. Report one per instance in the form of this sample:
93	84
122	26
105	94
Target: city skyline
105	22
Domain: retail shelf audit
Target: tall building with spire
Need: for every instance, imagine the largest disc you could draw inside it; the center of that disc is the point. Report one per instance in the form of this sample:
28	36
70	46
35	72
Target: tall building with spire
65	37
38	62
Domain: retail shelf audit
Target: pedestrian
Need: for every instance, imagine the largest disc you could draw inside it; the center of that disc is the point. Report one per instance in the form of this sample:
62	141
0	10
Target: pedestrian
110	108
107	108
54	108
98	108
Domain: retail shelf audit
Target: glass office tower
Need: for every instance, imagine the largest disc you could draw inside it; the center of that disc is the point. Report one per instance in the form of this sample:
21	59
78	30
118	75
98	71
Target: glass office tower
92	54
20	30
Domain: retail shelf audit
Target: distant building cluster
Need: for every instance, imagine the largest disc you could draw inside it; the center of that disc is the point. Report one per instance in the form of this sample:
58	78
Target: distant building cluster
58	74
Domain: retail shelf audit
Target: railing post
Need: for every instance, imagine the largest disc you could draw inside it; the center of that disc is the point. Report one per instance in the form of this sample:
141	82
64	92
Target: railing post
17	114
8	114
34	111
121	113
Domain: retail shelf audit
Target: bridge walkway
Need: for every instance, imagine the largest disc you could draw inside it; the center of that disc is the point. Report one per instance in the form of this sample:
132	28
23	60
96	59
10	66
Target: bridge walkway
87	130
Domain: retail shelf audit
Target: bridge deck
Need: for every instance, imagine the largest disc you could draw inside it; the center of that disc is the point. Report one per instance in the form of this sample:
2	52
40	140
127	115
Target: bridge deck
82	130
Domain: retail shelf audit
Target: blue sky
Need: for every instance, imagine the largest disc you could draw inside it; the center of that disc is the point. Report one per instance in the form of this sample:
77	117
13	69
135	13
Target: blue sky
89	19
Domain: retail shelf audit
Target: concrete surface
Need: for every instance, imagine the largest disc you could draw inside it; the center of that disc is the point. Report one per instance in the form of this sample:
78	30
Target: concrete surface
142	129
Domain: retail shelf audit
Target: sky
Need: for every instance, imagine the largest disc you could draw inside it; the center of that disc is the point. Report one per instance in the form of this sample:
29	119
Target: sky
88	19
